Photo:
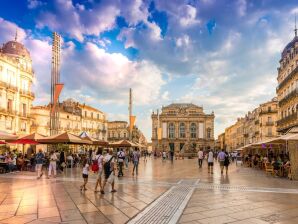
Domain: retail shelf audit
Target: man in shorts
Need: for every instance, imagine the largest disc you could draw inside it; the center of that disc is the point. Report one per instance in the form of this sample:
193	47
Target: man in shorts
109	169
210	161
99	158
221	158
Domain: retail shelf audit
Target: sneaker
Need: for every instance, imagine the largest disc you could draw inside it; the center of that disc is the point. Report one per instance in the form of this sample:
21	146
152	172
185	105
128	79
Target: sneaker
41	174
113	191
102	192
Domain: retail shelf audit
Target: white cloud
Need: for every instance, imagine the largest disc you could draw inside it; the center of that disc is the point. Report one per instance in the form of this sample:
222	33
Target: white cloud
187	16
32	4
241	7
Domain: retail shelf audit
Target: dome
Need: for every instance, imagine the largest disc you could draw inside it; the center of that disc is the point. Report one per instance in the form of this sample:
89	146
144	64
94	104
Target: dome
290	46
17	49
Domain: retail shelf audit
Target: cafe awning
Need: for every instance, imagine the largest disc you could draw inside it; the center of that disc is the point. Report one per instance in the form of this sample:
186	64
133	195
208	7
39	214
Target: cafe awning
7	136
34	136
24	142
123	143
66	138
84	135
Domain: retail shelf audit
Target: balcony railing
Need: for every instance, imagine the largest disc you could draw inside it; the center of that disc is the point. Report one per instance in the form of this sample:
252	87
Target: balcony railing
269	123
289	77
268	112
288	97
290	118
8	86
26	93
8	111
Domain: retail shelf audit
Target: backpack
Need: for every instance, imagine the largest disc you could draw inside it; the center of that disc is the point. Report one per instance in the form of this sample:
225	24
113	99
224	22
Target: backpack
107	166
121	156
94	166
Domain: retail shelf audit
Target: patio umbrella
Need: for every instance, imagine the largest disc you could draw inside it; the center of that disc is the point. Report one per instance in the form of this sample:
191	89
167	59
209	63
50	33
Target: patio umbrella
2	143
24	142
6	136
123	143
34	136
66	138
94	141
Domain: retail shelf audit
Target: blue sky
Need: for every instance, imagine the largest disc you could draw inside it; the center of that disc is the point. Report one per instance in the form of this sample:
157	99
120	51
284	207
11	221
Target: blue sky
220	54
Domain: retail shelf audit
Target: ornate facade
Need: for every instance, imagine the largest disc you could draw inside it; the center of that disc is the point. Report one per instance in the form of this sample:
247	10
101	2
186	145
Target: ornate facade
258	125
287	92
119	130
184	127
16	76
74	117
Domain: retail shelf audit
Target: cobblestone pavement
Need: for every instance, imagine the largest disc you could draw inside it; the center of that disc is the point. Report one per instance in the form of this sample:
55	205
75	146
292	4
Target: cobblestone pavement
244	196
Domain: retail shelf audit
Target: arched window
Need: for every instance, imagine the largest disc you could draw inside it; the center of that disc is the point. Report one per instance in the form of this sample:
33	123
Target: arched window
182	130
124	134
171	130
208	133
193	130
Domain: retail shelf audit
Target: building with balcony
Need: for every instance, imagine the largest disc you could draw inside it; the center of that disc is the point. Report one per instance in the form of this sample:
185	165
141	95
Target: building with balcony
119	130
184	127
286	90
16	76
257	125
74	117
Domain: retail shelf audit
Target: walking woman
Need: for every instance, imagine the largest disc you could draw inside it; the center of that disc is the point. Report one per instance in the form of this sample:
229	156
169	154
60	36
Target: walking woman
226	161
62	161
53	165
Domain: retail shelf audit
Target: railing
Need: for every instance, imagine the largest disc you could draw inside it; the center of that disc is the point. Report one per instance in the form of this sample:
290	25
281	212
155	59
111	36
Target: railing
268	112
289	77
8	111
288	97
27	93
269	123
290	118
8	86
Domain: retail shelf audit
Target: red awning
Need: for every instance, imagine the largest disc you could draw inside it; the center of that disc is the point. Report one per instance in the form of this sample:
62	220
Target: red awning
24	142
2	143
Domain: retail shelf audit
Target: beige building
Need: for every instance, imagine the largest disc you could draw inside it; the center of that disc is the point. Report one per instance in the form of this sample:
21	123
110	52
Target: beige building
119	130
287	87
16	76
221	141
74	117
257	125
184	127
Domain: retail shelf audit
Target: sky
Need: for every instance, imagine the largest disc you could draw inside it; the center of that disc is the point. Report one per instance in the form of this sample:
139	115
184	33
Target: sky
219	54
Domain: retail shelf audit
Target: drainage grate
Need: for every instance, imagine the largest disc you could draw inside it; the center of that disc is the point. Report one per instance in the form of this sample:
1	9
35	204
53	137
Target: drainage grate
167	208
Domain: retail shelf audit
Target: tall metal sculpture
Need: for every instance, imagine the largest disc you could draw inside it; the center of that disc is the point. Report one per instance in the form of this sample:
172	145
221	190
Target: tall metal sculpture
55	79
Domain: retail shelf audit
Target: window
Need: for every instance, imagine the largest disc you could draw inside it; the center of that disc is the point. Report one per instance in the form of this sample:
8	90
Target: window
171	130
85	113
208	133
92	115
269	119
9	105
97	116
124	134
269	109
24	110
269	131
193	130
182	130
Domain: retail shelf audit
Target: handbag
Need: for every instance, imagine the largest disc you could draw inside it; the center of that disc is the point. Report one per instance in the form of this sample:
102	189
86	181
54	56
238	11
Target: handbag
63	165
111	178
94	166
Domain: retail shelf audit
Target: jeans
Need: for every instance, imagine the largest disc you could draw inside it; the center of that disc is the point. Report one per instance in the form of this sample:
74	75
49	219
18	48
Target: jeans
200	162
120	173
39	169
135	166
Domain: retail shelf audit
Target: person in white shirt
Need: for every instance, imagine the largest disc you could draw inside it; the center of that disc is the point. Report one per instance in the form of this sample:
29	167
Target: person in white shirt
109	170
210	161
99	158
200	157
52	166
121	157
85	174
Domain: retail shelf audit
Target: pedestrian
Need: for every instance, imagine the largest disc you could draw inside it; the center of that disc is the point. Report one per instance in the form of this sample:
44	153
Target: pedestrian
227	162
136	158
121	157
85	174
53	164
221	158
210	161
62	161
99	158
109	171
164	155
126	159
39	161
200	157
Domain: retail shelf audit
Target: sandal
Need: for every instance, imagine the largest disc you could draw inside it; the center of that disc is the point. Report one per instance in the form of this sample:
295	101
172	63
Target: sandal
113	191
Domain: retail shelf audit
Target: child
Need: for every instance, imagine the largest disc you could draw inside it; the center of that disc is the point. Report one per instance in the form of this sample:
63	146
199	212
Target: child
85	174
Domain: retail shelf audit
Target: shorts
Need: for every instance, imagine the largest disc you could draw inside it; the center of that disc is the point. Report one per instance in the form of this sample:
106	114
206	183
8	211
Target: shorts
85	176
100	173
221	163
210	163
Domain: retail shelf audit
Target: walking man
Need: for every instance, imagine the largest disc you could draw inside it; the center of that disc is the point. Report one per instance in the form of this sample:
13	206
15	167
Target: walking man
136	158
39	161
121	157
200	157
210	161
221	158
109	170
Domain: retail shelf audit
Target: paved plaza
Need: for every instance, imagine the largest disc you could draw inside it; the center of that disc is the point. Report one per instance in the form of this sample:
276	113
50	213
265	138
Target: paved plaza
162	193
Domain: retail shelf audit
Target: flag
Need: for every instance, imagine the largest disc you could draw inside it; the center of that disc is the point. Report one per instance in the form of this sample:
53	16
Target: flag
132	120
58	89
159	131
